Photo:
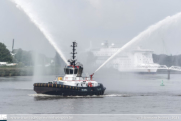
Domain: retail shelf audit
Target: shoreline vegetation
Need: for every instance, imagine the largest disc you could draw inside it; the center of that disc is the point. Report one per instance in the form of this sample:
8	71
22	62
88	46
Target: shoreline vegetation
28	71
56	69
19	62
29	63
13	71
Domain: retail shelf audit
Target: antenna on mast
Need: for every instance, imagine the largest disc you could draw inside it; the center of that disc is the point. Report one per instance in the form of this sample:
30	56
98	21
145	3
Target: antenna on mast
73	60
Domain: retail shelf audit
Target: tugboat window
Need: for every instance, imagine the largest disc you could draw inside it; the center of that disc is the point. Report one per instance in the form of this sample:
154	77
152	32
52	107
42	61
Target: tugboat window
71	71
79	74
75	71
67	71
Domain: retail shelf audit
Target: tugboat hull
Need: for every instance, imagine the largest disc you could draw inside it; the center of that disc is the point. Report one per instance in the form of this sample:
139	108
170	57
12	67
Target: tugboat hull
65	90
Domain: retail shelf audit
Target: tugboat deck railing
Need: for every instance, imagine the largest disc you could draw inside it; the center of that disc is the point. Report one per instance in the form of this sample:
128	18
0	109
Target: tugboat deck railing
74	78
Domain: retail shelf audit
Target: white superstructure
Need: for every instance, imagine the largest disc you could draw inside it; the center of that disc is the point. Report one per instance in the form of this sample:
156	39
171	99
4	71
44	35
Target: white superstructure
138	60
71	78
73	74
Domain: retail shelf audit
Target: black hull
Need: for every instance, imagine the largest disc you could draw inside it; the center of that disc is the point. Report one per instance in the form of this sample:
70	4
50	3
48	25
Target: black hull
65	90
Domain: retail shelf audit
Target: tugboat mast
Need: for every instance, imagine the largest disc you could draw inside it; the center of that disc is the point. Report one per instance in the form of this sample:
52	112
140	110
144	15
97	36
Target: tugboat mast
72	61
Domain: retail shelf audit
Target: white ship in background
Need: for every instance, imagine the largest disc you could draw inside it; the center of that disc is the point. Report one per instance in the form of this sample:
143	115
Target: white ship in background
138	60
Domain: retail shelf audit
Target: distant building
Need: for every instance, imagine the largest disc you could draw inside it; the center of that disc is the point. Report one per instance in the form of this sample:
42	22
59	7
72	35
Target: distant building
7	64
3	63
11	64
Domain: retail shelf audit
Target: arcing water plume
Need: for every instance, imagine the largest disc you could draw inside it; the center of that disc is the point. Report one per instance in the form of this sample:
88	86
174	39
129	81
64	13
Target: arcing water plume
168	20
40	26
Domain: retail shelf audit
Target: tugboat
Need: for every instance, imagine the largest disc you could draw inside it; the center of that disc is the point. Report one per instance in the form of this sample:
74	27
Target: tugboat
72	84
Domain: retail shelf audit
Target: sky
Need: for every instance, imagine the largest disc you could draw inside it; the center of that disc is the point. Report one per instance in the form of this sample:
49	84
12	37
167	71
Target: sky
117	21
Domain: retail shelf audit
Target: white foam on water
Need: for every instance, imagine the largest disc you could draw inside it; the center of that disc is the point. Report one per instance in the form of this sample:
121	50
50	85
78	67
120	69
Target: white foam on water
116	95
45	95
88	96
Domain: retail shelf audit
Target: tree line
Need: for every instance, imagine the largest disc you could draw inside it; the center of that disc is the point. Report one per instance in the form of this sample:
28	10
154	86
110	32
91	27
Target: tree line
5	55
27	58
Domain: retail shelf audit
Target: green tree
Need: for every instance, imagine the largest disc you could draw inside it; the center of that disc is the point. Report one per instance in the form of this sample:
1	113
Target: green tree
5	55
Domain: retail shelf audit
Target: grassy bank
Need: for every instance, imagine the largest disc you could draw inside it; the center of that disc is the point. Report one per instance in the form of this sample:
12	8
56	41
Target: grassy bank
15	71
29	71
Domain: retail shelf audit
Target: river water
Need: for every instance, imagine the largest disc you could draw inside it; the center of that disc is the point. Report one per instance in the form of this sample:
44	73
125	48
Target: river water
125	94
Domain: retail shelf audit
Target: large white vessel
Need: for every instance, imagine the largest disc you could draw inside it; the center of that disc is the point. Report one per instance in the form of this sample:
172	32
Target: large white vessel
138	60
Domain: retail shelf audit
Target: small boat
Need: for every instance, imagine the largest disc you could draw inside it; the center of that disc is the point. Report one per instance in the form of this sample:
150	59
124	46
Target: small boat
72	84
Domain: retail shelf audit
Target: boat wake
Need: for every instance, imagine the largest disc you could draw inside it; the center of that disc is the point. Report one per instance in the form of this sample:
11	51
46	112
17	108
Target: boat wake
116	95
45	95
88	96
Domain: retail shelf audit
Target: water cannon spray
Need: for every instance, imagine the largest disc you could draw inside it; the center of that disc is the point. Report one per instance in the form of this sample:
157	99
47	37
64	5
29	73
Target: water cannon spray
139	37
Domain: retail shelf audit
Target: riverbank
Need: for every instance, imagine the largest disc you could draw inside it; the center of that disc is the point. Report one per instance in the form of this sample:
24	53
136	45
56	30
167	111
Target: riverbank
29	71
16	71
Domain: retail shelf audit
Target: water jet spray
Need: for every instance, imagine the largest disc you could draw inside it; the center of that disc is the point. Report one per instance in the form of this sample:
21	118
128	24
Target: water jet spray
147	32
40	26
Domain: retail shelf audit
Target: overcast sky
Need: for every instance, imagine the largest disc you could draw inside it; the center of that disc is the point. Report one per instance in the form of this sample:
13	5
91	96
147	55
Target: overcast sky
117	21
